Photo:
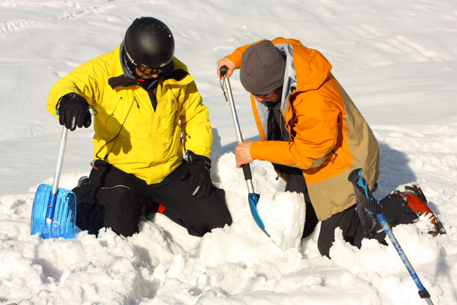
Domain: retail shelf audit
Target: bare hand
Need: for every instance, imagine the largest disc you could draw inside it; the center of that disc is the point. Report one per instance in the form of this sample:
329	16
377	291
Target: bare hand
243	153
225	62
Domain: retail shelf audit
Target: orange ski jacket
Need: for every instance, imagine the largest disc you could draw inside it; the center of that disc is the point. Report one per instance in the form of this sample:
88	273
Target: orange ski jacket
329	136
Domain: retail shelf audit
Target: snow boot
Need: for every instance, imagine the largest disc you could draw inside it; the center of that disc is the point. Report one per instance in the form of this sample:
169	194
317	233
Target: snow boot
415	198
83	181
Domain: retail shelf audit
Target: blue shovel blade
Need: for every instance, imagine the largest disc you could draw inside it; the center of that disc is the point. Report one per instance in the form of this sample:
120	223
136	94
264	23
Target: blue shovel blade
253	200
53	215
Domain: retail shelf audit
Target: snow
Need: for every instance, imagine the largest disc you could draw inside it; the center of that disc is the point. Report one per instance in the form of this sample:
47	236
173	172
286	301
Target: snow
396	59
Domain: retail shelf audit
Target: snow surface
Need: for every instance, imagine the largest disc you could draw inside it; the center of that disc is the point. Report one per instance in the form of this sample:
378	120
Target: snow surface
396	59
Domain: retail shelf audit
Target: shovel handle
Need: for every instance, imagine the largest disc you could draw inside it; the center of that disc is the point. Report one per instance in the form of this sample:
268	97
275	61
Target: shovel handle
223	70
247	172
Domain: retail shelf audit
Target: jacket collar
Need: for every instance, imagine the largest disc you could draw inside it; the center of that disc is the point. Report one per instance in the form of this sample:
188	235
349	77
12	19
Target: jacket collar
176	75
121	81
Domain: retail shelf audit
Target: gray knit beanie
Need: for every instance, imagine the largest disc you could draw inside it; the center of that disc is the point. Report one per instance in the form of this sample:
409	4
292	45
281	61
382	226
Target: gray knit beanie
262	68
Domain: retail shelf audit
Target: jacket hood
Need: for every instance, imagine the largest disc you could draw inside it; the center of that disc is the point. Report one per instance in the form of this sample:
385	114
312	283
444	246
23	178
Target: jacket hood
312	68
306	69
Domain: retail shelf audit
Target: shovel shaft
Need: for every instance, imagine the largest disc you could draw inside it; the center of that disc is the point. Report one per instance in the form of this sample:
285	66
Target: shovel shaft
249	181
253	197
51	208
55	184
239	136
63	145
236	123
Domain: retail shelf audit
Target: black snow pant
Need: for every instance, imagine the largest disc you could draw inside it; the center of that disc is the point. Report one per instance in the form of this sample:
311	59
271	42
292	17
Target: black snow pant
116	199
395	210
296	183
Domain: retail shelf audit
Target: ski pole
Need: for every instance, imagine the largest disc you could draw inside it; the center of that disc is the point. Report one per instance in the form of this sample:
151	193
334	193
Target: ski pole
363	193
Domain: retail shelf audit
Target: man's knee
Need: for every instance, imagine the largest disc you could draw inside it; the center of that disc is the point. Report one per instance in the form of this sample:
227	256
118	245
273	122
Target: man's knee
90	217
121	225
214	214
324	243
348	221
220	216
123	208
108	200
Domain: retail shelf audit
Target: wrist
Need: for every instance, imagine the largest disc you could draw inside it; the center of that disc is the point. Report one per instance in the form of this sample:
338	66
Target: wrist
254	150
73	97
204	161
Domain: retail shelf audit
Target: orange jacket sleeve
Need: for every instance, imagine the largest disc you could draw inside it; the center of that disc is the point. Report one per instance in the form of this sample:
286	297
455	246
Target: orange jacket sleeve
316	125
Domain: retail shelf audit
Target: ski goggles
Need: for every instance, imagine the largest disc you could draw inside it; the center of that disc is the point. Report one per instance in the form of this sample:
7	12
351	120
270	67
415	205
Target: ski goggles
143	68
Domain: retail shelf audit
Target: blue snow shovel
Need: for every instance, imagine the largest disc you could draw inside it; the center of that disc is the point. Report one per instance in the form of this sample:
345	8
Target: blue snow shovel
253	197
54	208
365	200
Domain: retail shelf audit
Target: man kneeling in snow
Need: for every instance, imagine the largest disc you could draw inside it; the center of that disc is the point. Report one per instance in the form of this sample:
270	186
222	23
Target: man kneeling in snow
315	137
144	99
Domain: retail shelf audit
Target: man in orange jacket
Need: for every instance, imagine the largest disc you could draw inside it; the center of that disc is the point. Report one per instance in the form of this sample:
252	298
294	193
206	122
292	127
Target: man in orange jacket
314	136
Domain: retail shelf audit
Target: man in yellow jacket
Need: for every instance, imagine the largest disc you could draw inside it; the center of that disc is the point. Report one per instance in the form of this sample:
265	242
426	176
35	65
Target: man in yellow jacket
147	111
314	136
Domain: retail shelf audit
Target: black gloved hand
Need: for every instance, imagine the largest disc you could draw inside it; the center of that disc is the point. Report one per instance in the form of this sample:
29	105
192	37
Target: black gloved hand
198	170
74	111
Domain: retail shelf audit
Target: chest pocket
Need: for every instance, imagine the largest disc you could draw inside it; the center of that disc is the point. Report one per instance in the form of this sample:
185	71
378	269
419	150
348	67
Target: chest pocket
166	117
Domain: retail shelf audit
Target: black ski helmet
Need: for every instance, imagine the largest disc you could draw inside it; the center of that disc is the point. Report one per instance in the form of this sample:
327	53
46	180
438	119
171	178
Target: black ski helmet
150	43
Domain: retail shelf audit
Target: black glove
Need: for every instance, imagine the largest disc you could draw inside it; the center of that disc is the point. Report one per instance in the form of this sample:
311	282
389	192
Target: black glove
74	111
198	170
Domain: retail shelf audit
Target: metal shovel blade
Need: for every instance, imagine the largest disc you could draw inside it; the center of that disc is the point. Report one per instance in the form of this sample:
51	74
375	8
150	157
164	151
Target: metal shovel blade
253	200
53	215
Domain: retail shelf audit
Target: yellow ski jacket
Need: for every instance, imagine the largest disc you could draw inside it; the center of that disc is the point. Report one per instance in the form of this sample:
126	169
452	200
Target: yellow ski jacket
128	131
328	136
